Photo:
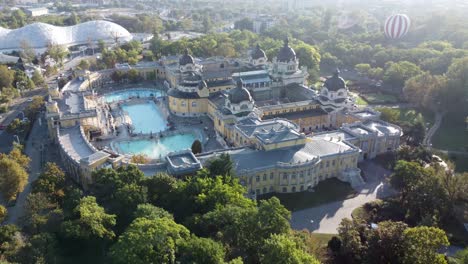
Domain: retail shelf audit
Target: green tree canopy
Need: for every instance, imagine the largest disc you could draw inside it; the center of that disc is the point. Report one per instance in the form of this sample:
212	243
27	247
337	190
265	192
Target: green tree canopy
200	250
422	244
149	241
282	249
91	221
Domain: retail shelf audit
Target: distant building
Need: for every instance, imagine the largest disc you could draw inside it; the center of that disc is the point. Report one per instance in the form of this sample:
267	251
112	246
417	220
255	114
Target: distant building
24	2
35	12
263	22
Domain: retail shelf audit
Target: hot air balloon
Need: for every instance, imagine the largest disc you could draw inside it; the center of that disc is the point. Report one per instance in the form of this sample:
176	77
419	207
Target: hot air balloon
397	26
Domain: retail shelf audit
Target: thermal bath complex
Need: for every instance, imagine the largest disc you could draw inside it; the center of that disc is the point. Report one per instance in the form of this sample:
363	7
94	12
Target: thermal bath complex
282	135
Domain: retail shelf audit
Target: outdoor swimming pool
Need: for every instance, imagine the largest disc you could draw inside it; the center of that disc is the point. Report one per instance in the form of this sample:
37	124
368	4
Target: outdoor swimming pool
146	117
126	94
156	148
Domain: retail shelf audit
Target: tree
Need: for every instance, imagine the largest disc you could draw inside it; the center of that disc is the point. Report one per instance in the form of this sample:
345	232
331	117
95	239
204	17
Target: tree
13	176
390	115
386	243
150	211
120	191
27	52
221	165
424	90
462	256
73	19
149	241
34	107
362	68
57	52
37	209
91	222
37	78
139	159
12	242
3	213
83	65
422	243
352	246
42	248
51	182
200	250
282	249
196	147
456	92
397	73
406	175
6	76
207	24
310	57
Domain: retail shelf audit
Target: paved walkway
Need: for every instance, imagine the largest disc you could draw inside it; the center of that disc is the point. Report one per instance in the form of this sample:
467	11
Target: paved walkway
430	133
326	218
33	147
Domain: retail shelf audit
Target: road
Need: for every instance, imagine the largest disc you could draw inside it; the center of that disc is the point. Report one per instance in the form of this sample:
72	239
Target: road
33	149
326	218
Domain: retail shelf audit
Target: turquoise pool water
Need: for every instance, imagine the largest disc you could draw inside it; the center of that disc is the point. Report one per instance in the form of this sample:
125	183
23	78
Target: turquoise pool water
156	149
126	94
146	117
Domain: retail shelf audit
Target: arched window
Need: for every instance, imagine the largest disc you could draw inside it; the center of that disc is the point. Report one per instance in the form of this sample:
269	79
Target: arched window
264	190
293	189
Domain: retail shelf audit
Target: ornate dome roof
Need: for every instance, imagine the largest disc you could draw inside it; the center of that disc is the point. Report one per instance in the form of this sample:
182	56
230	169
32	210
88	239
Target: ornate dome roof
335	82
239	94
39	35
286	53
186	59
258	53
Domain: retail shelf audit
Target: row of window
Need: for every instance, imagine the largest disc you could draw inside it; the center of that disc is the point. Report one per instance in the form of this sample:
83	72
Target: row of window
284	190
299	174
291	110
183	103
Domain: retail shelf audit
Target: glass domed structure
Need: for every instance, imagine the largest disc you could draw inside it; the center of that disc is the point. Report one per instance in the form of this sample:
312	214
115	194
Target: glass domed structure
39	35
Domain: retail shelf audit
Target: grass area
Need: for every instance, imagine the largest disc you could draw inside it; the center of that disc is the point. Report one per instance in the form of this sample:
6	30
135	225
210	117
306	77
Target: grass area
329	190
380	98
322	239
452	133
460	161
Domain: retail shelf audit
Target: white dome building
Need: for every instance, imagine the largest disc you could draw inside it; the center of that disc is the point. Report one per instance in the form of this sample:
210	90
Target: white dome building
39	35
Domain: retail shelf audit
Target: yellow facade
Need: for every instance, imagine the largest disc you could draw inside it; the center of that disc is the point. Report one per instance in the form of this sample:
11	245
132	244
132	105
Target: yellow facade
188	106
297	179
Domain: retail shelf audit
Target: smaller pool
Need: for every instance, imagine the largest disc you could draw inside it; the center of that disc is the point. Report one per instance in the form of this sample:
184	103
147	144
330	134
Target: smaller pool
156	148
126	94
146	117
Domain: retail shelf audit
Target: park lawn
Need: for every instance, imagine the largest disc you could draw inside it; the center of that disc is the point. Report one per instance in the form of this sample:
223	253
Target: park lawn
326	191
380	98
452	133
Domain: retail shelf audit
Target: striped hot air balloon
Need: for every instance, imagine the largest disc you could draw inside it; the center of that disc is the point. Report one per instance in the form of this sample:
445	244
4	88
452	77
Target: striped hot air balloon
397	26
